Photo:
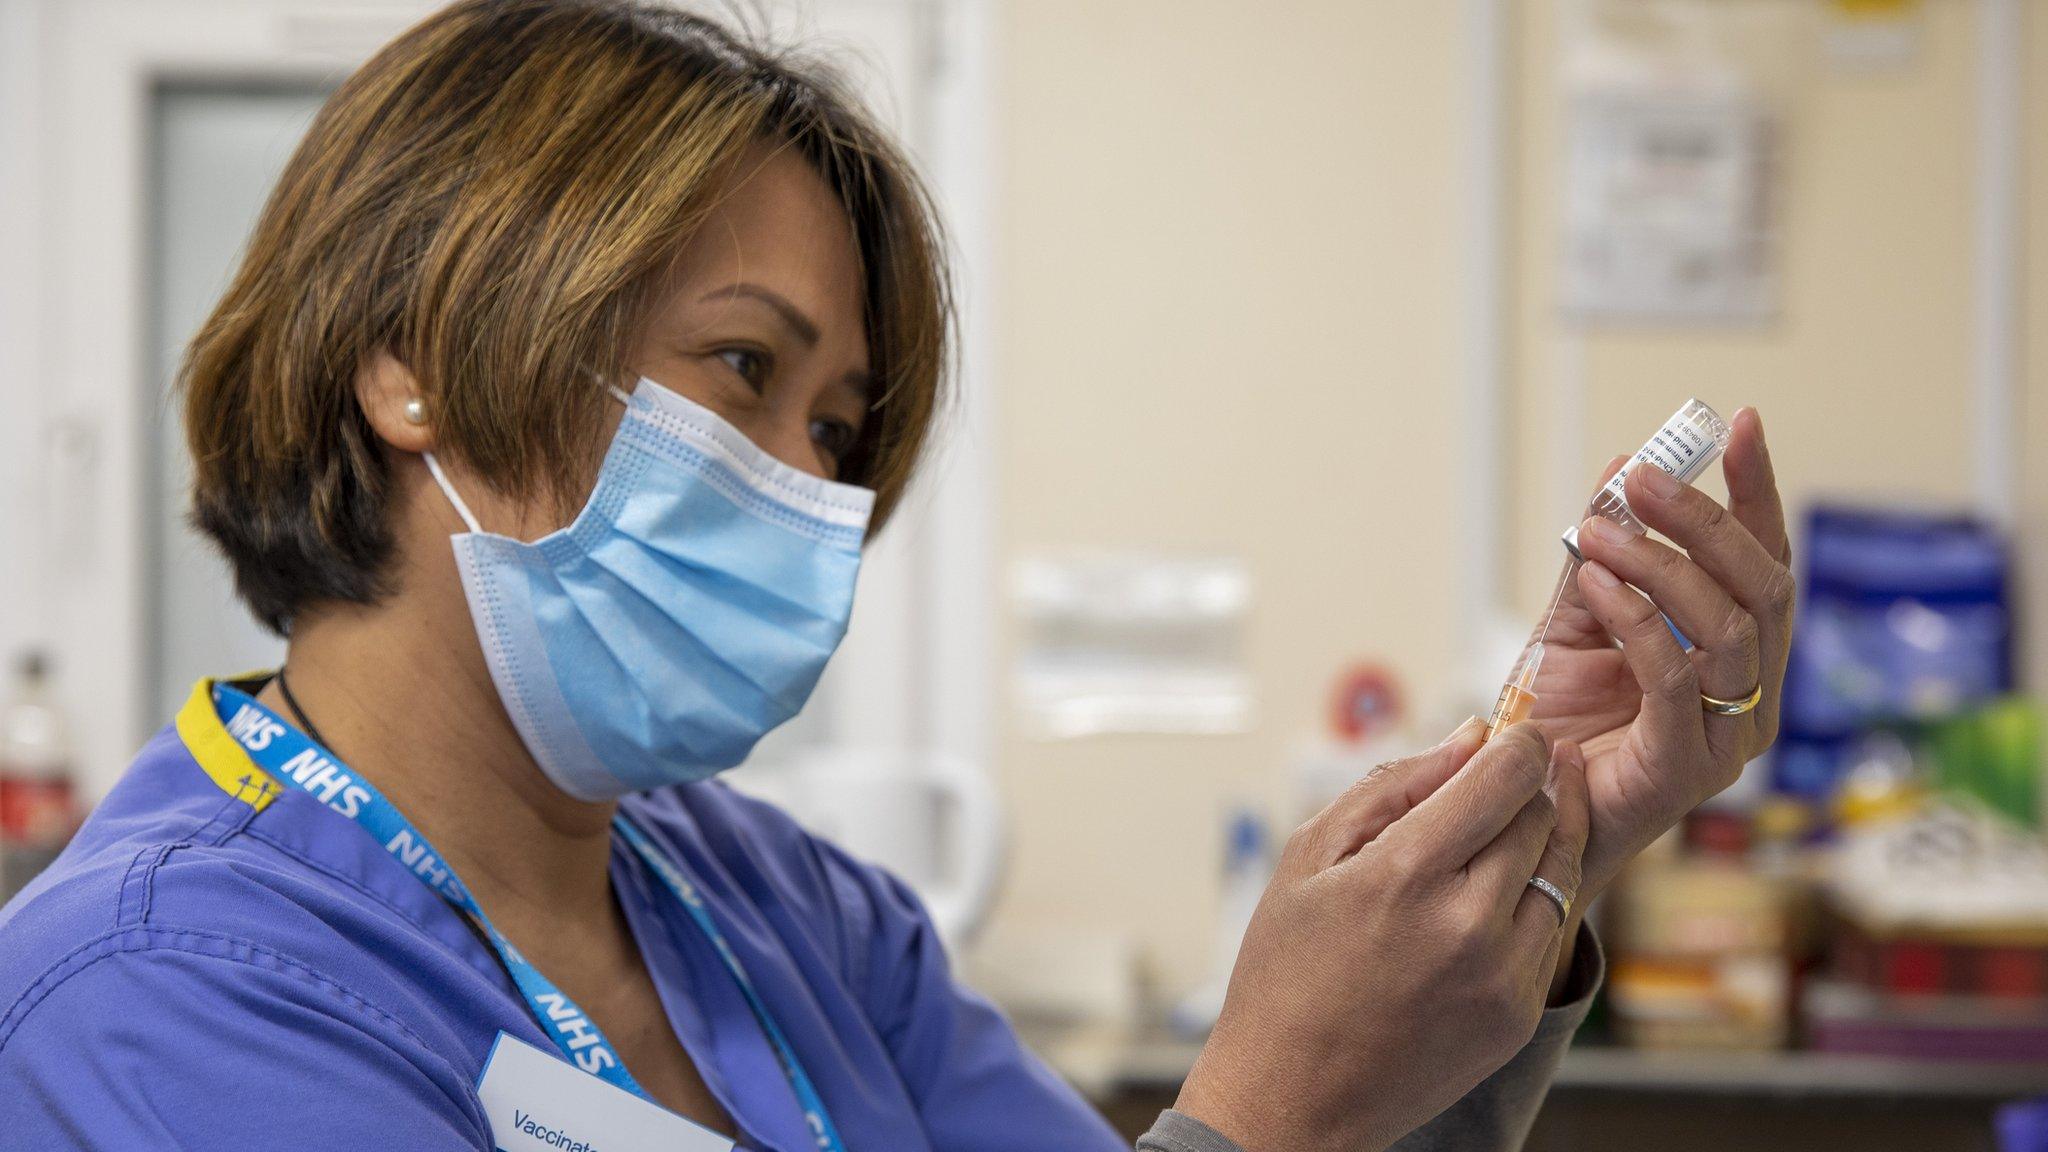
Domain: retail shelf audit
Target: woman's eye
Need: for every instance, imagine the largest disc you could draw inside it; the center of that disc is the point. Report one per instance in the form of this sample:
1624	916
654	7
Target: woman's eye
747	364
835	437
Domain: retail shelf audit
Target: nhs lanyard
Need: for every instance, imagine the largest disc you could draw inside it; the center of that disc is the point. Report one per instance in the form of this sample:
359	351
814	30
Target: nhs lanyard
293	758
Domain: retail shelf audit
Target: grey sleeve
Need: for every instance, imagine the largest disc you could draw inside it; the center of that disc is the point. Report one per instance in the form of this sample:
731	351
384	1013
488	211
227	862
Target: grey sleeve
1494	1117
1497	1115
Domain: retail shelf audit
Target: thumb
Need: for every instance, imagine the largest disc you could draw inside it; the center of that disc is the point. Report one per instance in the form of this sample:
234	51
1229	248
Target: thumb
1385	794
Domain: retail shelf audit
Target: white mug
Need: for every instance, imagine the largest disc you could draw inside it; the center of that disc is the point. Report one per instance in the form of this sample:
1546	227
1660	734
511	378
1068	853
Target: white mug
933	820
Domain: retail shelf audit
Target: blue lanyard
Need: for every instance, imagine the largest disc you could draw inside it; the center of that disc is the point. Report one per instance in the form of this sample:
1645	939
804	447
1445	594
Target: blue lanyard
685	892
291	757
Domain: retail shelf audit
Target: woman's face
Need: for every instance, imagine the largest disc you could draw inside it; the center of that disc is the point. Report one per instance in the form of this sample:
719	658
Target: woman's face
764	323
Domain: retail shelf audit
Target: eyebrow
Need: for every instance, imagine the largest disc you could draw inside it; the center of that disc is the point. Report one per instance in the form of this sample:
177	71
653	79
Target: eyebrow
803	326
864	382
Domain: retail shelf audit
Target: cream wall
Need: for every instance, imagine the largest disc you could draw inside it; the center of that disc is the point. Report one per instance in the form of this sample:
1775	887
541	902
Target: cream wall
1864	378
1229	319
1227	322
2034	302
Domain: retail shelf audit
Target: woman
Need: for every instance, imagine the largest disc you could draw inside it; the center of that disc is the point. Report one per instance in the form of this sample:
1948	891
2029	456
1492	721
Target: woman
650	325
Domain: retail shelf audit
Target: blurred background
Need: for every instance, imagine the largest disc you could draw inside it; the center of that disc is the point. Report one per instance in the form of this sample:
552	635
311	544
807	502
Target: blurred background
1294	334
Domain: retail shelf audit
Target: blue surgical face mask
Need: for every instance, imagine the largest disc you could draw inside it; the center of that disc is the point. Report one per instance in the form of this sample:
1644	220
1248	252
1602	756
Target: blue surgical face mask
688	609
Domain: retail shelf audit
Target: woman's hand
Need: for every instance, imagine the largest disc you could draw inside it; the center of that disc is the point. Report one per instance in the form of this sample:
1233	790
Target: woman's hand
1652	751
1399	955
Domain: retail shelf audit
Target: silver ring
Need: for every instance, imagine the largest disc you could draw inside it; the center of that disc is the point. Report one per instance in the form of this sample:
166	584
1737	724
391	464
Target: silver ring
1555	895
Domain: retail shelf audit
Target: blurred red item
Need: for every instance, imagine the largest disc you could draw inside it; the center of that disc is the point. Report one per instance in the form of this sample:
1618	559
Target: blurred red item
1724	835
2020	973
1912	967
36	811
1367	703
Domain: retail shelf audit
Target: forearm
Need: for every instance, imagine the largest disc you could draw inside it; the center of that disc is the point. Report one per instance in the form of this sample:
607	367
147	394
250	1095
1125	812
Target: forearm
1496	1115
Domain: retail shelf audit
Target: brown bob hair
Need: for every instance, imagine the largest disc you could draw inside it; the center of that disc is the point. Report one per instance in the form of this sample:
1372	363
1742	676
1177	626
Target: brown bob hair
495	199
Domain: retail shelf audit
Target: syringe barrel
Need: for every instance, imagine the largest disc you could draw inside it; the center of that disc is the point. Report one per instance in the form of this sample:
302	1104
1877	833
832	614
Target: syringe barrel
1686	446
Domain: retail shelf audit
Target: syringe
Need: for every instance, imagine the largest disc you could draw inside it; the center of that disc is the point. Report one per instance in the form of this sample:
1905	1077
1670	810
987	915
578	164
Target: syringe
1518	696
1685	447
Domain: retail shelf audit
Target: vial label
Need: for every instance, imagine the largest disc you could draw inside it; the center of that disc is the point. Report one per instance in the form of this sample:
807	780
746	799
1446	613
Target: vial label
1680	447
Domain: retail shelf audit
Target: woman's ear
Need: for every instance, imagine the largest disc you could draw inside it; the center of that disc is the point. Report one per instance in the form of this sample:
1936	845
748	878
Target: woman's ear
391	401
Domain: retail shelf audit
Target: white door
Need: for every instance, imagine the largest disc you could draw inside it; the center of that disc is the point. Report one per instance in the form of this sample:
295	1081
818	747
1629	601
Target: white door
143	136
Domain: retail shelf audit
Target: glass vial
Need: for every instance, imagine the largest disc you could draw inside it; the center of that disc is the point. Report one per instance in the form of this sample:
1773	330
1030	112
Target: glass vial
1685	447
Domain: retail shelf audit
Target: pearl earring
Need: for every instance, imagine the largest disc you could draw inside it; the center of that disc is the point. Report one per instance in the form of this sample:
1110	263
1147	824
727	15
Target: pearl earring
415	411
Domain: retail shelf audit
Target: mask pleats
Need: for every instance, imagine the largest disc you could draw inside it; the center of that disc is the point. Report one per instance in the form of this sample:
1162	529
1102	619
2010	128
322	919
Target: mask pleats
687	611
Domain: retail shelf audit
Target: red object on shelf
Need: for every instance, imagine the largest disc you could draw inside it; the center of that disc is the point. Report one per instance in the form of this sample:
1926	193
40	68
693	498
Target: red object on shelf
1915	968
1712	832
2013	972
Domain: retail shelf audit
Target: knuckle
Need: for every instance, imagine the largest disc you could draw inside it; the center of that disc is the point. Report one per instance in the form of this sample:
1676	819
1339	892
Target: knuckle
1743	637
1678	677
1565	870
1781	589
1475	933
1527	752
1405	871
1638	613
1668	563
1714	519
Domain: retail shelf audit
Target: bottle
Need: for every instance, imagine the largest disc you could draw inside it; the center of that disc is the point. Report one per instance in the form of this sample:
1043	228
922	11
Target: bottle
1247	866
1685	446
38	795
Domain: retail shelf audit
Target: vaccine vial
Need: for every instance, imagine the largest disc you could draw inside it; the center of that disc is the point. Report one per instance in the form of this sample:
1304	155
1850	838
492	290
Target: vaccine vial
1685	447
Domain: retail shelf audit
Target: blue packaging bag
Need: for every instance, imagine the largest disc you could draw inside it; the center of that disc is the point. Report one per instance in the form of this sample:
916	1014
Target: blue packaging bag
1906	617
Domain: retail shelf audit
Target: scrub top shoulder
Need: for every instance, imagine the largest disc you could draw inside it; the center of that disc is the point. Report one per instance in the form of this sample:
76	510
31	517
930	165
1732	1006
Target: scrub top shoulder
213	965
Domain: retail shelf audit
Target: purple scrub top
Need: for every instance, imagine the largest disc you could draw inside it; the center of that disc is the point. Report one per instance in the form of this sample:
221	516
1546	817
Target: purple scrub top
200	971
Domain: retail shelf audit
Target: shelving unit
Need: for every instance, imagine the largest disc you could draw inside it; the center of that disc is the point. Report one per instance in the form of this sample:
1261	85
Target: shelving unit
1104	1064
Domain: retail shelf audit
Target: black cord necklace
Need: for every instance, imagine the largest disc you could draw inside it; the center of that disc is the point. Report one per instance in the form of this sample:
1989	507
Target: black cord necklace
284	689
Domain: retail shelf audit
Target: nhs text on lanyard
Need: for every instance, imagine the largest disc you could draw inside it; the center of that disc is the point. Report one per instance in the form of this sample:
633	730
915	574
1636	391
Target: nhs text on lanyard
293	758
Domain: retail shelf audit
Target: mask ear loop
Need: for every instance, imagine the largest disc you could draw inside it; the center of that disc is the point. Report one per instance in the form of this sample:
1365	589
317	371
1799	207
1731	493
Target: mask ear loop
448	490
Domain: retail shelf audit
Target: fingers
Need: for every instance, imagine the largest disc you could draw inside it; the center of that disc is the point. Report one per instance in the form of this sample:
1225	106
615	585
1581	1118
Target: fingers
1380	797
1723	545
1729	641
1536	918
1450	826
1753	485
1500	873
1670	685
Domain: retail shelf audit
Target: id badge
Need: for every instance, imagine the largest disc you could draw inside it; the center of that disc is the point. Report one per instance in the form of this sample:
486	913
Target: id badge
538	1102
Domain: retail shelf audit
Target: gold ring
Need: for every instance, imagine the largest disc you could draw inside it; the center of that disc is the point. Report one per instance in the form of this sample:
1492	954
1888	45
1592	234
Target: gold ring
1721	707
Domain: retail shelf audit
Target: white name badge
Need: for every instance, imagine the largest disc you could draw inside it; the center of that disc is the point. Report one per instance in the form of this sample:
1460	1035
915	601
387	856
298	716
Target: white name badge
538	1102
